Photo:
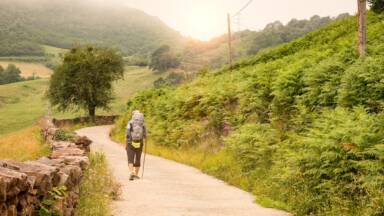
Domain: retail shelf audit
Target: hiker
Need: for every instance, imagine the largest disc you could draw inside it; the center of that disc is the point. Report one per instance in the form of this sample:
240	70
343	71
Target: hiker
135	135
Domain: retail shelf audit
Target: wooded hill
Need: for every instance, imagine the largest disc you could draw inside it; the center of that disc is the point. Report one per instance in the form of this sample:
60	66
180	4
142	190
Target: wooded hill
299	125
214	53
25	25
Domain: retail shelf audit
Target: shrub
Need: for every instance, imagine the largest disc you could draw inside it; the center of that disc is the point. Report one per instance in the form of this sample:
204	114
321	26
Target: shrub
341	164
363	84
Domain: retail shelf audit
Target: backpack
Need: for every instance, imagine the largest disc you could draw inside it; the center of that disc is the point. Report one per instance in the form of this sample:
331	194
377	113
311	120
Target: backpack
137	127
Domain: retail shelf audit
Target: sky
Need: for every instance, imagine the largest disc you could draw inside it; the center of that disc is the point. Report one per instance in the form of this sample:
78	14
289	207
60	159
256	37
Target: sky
205	19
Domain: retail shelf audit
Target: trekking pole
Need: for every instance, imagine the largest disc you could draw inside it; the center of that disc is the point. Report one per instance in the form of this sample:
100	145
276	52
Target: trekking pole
145	153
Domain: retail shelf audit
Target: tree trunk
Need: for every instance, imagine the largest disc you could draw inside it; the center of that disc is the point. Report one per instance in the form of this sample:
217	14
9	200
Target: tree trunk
92	113
362	6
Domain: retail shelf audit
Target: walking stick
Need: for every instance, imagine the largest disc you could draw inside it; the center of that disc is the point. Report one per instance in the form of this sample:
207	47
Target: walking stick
145	153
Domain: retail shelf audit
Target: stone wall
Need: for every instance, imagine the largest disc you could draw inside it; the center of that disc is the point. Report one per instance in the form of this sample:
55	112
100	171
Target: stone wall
99	120
52	182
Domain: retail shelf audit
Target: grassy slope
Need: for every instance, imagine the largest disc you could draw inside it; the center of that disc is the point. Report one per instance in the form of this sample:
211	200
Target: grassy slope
23	145
278	108
22	103
28	69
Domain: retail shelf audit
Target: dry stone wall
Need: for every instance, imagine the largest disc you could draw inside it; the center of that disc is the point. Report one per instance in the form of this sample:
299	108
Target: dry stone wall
49	183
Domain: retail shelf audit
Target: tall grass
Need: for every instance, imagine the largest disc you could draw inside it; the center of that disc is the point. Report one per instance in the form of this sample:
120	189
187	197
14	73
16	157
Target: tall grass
23	145
98	188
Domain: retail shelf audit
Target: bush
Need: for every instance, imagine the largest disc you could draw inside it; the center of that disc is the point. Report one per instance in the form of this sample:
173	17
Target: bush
363	85
341	164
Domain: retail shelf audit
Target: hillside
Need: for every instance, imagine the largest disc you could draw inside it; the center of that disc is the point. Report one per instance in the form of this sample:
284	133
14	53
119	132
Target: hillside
214	53
26	25
22	103
299	125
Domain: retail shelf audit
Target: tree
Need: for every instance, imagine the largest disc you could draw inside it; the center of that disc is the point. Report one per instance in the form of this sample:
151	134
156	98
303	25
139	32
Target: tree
377	5
163	59
84	79
362	6
10	75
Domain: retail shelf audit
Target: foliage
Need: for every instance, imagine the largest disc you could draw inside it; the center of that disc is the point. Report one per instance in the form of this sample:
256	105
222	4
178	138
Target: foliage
97	189
64	135
47	206
362	84
163	59
376	5
84	79
299	125
171	80
25	26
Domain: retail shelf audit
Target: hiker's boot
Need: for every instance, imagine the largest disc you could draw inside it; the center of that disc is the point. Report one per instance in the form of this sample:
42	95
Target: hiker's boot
131	177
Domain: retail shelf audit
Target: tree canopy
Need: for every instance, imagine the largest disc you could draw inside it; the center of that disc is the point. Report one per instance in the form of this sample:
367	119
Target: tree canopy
84	79
377	5
163	59
10	75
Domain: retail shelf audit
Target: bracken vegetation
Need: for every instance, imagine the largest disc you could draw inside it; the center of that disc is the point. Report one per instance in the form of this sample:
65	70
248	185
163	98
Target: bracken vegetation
300	125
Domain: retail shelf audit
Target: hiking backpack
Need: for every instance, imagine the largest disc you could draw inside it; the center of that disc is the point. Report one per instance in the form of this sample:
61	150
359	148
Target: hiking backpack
137	127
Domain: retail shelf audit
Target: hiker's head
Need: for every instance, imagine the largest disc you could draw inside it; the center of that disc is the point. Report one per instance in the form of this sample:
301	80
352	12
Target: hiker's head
135	112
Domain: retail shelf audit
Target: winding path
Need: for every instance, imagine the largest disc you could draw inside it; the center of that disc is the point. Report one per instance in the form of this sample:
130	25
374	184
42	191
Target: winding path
170	188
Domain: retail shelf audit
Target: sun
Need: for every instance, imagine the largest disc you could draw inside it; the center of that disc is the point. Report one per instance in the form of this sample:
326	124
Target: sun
204	24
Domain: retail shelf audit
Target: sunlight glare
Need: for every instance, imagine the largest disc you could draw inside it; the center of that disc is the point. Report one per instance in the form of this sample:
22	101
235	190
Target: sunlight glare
203	23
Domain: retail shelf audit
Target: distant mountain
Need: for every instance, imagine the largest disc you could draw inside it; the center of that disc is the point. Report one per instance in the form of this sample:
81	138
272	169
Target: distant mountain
26	25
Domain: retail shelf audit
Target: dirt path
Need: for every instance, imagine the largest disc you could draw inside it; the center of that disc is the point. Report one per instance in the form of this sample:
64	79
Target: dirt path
170	188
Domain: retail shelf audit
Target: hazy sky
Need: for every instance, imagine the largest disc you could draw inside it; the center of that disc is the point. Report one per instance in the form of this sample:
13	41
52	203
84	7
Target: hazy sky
204	19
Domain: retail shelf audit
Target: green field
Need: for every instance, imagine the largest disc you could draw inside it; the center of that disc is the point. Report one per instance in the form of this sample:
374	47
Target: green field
22	103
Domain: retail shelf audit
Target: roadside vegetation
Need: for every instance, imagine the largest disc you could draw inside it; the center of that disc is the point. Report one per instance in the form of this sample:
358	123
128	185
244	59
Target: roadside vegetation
98	188
300	125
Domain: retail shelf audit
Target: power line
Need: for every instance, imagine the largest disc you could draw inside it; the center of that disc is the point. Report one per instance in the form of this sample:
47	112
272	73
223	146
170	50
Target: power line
238	13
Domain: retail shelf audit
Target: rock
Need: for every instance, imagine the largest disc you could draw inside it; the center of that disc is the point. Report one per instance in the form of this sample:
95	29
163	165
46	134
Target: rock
24	185
13	183
80	161
70	151
46	176
57	145
84	143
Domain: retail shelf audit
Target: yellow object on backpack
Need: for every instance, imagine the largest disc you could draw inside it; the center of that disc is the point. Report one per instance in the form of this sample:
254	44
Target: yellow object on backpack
136	144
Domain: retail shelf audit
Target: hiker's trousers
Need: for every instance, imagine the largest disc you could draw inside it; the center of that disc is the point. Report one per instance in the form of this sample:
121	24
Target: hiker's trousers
134	155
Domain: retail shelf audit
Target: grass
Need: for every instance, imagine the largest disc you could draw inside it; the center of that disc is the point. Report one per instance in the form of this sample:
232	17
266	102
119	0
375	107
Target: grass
98	188
21	104
53	51
28	69
23	145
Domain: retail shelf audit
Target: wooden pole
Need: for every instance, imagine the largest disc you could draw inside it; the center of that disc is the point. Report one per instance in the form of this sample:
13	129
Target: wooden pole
229	41
362	6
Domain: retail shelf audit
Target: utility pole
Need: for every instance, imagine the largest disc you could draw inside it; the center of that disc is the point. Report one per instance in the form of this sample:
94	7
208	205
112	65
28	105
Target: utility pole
229	41
362	7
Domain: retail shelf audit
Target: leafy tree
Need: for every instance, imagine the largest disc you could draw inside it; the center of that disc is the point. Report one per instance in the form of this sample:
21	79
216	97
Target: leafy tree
163	59
377	5
10	75
84	79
